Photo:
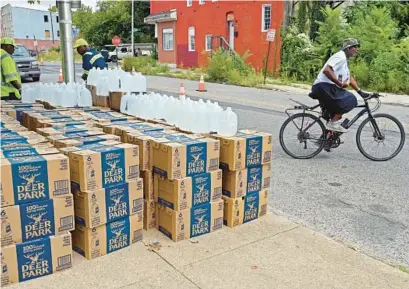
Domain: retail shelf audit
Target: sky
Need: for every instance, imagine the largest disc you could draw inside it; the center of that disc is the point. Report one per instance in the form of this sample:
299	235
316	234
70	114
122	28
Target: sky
44	4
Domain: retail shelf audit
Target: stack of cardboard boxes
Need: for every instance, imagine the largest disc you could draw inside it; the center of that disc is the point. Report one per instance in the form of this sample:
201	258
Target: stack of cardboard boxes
187	185
37	209
246	162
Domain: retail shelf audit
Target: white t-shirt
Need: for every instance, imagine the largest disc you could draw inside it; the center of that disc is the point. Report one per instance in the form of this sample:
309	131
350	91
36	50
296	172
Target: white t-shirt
339	64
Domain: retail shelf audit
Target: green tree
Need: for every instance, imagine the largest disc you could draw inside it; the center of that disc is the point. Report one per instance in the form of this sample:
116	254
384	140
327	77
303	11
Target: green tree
377	32
316	16
331	34
52	8
302	16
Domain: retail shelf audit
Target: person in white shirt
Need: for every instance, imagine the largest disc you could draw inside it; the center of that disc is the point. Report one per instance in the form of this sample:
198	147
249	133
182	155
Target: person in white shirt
329	87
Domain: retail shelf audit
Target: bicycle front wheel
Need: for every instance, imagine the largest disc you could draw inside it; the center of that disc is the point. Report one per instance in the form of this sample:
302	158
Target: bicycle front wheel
380	138
302	136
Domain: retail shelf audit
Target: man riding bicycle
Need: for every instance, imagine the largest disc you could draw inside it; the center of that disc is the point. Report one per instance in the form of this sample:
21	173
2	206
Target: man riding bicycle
329	87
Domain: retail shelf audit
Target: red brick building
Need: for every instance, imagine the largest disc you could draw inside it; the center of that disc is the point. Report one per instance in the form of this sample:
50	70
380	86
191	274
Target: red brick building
186	30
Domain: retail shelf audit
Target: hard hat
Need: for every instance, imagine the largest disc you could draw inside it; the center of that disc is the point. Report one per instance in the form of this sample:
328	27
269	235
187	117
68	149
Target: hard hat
350	42
8	41
80	42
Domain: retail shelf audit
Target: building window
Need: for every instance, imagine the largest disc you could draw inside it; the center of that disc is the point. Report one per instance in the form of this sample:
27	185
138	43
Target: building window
208	42
191	39
47	33
201	2
189	3
58	33
58	19
265	17
45	18
167	35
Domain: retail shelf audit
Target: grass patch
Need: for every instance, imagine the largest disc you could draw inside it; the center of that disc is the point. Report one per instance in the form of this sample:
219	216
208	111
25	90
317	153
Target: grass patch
145	65
403	269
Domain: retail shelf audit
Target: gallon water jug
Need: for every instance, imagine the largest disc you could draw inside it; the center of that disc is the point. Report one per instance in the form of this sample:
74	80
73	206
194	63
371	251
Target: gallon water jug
85	98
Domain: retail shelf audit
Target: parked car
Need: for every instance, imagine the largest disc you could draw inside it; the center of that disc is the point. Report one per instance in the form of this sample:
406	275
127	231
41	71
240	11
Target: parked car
124	50
26	64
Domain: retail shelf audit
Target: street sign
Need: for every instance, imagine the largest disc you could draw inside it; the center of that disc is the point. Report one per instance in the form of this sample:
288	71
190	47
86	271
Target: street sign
116	40
271	34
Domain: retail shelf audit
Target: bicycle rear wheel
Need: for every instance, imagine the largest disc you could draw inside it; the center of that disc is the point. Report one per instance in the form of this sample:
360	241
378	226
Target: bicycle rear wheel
302	136
381	147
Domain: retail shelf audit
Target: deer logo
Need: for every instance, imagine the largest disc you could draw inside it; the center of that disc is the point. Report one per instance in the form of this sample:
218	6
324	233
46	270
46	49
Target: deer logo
254	177
200	219
251	206
254	149
196	156
117	200
118	233
201	188
113	164
29	179
34	257
36	218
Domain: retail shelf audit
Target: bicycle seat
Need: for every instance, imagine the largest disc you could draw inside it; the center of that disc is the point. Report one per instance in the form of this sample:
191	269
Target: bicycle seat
312	95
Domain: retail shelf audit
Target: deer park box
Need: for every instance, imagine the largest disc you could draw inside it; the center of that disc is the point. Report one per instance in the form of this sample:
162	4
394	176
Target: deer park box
25	261
25	151
149	214
95	208
63	130
108	238
70	142
147	177
189	223
188	192
238	183
34	178
31	221
100	166
175	160
20	140
245	209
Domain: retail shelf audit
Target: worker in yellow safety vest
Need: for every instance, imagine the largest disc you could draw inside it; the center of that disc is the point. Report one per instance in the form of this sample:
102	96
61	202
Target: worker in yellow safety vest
90	57
10	77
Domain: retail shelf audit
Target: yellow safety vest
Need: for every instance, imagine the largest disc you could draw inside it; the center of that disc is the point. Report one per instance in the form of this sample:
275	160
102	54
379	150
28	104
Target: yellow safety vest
9	73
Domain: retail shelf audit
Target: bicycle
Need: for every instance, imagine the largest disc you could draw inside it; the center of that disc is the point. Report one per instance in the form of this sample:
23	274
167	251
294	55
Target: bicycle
325	139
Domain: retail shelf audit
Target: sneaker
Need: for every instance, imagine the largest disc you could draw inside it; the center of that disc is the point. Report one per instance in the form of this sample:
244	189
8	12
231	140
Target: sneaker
335	126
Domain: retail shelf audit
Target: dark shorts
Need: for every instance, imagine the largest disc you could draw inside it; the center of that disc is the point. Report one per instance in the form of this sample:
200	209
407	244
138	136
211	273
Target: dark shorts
334	98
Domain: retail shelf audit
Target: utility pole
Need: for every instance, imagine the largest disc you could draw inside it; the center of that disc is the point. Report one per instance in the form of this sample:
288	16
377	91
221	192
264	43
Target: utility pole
132	47
64	13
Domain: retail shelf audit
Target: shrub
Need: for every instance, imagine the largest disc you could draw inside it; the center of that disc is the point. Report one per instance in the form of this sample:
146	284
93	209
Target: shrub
146	65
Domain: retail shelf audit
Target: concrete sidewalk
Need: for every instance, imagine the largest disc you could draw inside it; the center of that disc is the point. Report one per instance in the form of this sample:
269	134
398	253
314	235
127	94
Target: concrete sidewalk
271	252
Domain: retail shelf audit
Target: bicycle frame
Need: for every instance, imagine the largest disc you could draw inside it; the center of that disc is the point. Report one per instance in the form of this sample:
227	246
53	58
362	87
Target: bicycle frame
365	109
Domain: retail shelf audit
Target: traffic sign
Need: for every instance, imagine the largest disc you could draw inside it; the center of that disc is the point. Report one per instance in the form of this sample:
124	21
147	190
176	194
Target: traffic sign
271	34
116	40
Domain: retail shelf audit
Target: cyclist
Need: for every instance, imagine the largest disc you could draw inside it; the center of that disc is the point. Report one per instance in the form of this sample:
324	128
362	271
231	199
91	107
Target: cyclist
334	77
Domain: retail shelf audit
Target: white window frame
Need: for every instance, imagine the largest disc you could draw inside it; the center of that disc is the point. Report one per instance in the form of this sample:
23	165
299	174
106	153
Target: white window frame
263	14
214	0
189	3
201	2
191	32
207	48
167	31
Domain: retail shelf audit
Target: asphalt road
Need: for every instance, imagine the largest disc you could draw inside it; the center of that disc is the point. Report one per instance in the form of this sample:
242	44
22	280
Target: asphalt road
361	203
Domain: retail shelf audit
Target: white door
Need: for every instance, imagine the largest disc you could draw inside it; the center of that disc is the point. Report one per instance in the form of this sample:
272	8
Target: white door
231	34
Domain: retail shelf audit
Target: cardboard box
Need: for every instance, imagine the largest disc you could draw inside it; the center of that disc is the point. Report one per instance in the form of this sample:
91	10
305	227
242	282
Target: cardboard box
245	209
104	138
31	117
232	152
22	141
143	140
93	90
106	116
14	152
101	166
47	122
147	177
31	221
141	127
149	215
50	131
175	160
34	259
189	223
111	127
239	183
115	99
235	183
108	238
188	192
95	208
34	178
6	127
259	147
19	134
74	135
67	150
